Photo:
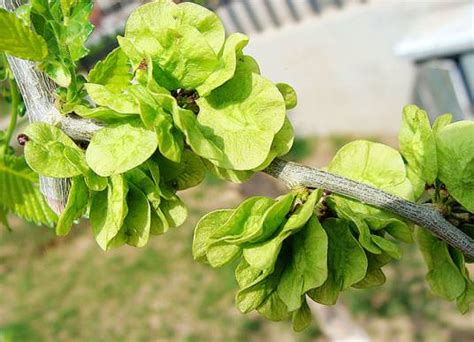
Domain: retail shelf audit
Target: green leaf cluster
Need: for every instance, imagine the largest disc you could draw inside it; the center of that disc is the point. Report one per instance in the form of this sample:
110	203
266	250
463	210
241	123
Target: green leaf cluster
194	88
442	154
126	196
282	249
288	253
440	165
177	99
52	33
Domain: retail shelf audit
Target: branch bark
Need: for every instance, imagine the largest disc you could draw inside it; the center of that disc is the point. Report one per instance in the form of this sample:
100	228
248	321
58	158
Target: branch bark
293	175
38	94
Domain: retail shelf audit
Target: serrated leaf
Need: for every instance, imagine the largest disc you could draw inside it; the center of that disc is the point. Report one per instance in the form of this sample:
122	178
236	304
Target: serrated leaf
347	262
19	191
45	151
455	149
19	40
118	148
76	206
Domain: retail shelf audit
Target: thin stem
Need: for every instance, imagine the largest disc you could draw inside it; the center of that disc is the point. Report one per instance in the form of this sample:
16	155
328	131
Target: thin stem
425	216
15	95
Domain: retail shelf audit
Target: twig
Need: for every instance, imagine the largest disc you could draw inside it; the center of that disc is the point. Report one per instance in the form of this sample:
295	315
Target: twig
425	216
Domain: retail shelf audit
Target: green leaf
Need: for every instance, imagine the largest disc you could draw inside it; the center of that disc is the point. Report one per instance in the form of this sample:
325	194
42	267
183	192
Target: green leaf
441	122
136	225
264	254
119	102
273	308
281	144
206	22
108	210
302	317
229	175
246	217
93	181
204	229
4	218
417	145
155	109
19	191
57	71
377	165
239	120
289	94
76	206
227	63
308	266
146	185
347	263
444	278
45	151
77	28
456	161
119	148
19	40
186	174
113	71
464	301
254	295
175	211
374	275
181	54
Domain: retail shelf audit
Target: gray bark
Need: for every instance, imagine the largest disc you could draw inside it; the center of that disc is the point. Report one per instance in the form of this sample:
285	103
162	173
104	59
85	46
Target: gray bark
37	91
424	216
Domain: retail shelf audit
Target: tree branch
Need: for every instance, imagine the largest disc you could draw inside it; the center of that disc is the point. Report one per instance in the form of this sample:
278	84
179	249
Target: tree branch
38	93
293	174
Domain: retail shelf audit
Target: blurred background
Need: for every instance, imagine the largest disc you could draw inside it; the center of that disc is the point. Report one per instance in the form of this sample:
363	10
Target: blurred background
354	64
